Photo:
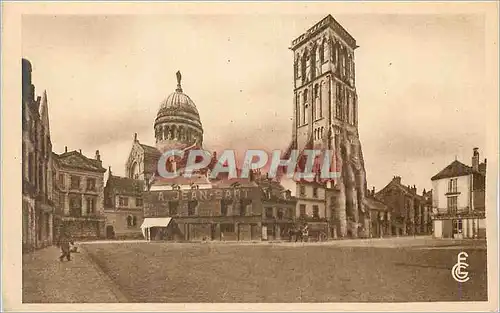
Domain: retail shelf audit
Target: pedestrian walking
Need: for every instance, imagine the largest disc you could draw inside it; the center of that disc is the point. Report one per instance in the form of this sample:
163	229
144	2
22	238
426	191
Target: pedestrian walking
64	243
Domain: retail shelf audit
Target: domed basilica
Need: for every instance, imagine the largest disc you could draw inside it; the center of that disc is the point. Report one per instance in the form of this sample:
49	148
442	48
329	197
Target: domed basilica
177	126
201	208
178	123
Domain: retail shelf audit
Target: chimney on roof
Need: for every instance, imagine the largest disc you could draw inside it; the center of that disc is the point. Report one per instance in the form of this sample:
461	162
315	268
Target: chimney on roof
109	171
482	168
373	191
135	137
80	151
475	159
97	155
397	179
65	149
38	100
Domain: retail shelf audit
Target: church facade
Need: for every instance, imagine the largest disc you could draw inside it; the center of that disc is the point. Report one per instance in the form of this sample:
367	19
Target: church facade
37	175
326	118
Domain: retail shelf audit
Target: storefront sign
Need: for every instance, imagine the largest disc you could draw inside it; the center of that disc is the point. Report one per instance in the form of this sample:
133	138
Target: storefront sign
198	195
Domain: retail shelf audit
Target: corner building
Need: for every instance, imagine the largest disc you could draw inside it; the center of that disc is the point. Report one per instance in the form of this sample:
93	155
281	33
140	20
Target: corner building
326	117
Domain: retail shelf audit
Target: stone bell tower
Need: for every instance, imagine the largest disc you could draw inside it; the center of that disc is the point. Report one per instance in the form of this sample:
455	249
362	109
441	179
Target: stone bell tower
326	117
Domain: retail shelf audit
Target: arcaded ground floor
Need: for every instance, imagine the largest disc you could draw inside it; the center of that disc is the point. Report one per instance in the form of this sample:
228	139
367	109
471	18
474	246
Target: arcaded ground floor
460	228
363	270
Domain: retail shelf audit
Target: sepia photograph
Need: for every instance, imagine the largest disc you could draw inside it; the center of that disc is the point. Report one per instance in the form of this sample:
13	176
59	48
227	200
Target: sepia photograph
305	154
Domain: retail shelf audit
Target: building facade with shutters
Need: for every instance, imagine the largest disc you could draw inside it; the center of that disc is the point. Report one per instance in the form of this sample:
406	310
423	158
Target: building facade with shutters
278	208
458	200
78	188
410	212
204	210
123	207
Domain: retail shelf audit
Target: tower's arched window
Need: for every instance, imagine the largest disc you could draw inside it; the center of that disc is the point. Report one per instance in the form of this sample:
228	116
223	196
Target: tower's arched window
339	103
298	108
304	108
321	50
296	67
327	50
354	111
338	60
348	65
306	113
312	62
129	220
303	65
348	106
343	62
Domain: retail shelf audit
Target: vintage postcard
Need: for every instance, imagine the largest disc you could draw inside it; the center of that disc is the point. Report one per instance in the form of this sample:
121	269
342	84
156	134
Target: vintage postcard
250	156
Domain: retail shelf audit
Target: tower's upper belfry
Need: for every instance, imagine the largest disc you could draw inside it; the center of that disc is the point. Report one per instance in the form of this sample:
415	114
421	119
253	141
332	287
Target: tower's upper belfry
325	47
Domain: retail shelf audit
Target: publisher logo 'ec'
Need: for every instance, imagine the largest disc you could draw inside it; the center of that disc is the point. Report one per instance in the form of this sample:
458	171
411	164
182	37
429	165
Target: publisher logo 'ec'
459	271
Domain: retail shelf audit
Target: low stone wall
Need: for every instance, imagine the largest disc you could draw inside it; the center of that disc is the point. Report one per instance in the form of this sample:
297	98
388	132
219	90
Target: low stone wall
84	229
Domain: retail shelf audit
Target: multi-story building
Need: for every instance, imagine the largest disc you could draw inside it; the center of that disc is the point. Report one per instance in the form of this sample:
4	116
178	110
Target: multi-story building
38	207
78	184
123	206
410	213
380	216
278	208
205	210
326	118
312	209
459	200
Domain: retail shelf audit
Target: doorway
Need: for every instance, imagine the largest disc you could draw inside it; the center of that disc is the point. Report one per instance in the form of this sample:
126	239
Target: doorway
457	229
110	232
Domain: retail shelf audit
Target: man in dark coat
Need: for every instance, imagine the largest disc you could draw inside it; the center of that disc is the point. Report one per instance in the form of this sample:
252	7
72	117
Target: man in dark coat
64	242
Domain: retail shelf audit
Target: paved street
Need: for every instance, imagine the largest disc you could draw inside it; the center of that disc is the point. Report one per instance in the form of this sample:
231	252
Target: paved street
399	269
47	280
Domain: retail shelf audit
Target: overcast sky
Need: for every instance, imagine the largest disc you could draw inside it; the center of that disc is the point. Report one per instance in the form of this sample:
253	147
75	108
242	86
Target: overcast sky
419	80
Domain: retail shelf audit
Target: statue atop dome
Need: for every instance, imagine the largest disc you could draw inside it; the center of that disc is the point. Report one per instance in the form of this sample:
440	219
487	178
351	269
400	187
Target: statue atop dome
179	77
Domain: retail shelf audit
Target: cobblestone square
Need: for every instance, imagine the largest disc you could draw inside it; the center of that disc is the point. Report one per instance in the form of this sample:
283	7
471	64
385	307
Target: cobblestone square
384	270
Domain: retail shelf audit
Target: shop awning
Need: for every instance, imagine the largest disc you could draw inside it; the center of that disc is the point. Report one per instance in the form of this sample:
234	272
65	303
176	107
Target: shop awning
154	222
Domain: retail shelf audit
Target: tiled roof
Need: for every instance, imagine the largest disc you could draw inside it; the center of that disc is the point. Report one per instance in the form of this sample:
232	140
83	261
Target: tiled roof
455	169
180	180
75	159
150	150
125	185
241	182
396	183
374	204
